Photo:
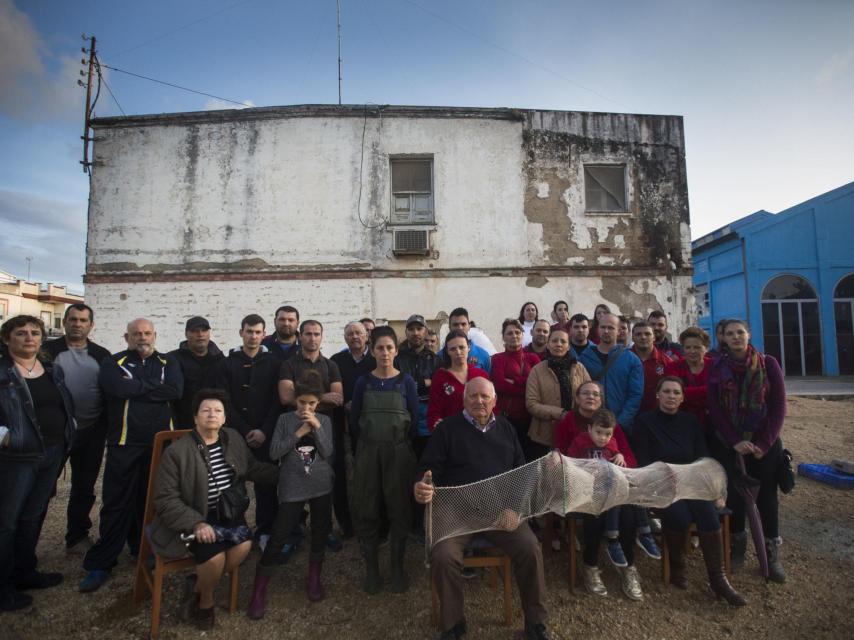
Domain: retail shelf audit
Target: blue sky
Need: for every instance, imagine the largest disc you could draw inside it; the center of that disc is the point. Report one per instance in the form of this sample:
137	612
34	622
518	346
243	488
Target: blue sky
766	87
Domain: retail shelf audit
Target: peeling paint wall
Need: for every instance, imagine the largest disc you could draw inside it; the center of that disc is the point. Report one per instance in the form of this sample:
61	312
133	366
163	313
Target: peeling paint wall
265	210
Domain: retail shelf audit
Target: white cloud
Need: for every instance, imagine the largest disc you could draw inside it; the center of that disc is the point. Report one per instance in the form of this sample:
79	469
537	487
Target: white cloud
29	90
215	104
834	67
51	232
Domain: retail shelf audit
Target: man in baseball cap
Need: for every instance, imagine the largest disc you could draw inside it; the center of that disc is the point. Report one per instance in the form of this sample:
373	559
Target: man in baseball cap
198	356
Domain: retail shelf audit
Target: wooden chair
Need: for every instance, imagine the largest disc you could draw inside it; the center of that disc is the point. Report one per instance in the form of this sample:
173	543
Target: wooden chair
150	579
494	560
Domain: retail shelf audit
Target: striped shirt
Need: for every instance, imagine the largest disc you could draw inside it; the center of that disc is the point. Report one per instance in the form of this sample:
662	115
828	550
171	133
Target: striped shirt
220	475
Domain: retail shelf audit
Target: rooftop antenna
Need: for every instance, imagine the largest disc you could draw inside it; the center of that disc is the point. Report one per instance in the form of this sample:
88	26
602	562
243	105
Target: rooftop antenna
338	16
29	263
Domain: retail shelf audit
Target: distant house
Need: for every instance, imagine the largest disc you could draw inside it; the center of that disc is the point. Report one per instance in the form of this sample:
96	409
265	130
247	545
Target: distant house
384	211
42	300
791	275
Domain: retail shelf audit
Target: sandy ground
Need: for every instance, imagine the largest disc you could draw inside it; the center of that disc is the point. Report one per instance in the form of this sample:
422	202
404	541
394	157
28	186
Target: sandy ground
818	553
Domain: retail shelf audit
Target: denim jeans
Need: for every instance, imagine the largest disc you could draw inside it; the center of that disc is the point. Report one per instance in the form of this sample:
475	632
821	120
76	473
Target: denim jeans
25	489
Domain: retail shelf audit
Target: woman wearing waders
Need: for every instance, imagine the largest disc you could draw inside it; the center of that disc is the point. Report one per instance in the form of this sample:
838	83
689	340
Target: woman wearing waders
382	417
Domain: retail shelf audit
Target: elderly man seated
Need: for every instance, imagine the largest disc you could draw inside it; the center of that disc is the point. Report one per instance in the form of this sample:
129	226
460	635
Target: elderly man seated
465	448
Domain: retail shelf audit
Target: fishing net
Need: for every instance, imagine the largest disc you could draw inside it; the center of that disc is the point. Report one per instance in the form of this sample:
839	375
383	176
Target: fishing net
559	484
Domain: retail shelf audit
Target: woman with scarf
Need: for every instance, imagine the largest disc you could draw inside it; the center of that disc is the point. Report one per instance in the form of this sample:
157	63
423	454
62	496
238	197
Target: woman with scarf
509	373
550	391
747	405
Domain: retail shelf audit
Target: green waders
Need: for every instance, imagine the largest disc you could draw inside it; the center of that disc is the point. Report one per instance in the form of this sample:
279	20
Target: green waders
383	473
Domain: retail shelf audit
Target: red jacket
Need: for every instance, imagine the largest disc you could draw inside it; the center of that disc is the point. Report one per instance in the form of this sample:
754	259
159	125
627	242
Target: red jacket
509	374
574	424
696	392
446	394
582	447
653	370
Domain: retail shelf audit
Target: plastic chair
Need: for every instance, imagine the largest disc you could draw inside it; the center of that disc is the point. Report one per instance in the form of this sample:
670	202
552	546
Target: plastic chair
150	579
489	557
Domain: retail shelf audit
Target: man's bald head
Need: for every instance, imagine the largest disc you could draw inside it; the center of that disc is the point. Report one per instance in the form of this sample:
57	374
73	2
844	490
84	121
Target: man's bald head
479	399
141	337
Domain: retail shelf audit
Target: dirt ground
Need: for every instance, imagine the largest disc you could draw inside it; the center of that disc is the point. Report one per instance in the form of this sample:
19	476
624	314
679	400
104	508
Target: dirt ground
818	554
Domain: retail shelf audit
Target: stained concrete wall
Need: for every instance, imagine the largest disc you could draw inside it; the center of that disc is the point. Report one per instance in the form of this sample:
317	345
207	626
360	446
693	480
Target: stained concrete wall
226	213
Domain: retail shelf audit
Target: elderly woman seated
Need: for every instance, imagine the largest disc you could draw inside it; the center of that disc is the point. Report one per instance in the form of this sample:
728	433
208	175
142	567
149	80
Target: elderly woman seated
193	474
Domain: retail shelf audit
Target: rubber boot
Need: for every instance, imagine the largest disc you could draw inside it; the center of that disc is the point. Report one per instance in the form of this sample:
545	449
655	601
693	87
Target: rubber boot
370	549
775	567
399	583
738	548
258	603
711	544
675	541
315	588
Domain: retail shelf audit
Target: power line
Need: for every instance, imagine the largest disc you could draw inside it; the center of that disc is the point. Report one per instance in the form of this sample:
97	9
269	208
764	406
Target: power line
509	51
101	78
175	86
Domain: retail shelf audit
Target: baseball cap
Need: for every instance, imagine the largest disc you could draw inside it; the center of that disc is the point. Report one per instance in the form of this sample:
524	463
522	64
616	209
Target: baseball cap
415	318
195	322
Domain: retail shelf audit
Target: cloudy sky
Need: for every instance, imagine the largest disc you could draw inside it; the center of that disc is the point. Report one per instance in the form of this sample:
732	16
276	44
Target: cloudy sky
766	87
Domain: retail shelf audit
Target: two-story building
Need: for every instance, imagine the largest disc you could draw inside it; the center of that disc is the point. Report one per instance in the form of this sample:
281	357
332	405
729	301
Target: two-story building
384	211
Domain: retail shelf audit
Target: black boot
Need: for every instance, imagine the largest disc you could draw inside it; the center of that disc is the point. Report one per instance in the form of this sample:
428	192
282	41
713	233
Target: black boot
675	541
399	583
738	548
775	567
370	549
711	544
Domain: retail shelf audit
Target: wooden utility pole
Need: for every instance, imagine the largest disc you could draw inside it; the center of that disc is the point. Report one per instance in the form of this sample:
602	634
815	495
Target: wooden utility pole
338	16
86	115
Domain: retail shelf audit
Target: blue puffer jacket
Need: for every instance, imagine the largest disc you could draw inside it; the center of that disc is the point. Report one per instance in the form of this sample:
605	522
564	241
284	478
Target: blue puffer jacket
623	382
19	416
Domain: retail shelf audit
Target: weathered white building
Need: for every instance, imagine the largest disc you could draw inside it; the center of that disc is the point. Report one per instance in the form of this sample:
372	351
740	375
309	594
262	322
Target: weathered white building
384	211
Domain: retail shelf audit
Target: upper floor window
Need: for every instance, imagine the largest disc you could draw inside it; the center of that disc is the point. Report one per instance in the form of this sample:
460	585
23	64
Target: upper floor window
411	191
605	188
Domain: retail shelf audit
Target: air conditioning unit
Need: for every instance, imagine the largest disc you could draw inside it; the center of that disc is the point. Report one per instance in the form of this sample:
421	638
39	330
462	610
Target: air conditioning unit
411	242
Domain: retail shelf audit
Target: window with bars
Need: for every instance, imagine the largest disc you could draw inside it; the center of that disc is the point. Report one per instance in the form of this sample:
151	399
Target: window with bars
605	188
411	191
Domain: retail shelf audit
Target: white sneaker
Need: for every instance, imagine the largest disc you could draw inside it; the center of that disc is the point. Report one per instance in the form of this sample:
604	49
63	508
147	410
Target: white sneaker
593	580
631	583
263	539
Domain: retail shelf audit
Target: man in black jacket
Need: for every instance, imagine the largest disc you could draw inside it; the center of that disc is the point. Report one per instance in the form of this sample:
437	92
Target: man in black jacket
250	375
80	360
139	385
418	361
198	357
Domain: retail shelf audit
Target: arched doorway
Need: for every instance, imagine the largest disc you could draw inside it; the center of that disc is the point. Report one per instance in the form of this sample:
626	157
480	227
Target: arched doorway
843	309
790	325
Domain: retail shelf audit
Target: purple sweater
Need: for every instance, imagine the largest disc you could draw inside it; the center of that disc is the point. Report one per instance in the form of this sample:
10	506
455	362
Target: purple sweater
766	433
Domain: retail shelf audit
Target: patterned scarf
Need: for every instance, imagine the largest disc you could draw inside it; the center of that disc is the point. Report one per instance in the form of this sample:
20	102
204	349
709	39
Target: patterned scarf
743	402
561	368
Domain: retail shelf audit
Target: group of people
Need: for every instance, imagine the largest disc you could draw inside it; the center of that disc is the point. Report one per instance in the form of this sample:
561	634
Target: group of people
276	412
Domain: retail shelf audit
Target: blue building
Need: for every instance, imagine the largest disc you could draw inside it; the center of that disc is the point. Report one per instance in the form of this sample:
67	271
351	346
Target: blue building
791	275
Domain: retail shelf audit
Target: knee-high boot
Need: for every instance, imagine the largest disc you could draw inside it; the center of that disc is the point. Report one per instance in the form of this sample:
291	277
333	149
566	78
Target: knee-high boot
711	543
258	603
370	549
399	583
675	541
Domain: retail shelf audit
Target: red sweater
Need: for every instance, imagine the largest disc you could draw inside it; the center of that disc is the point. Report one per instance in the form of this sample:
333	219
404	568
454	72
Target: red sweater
696	392
582	447
446	394
574	424
653	370
509	374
